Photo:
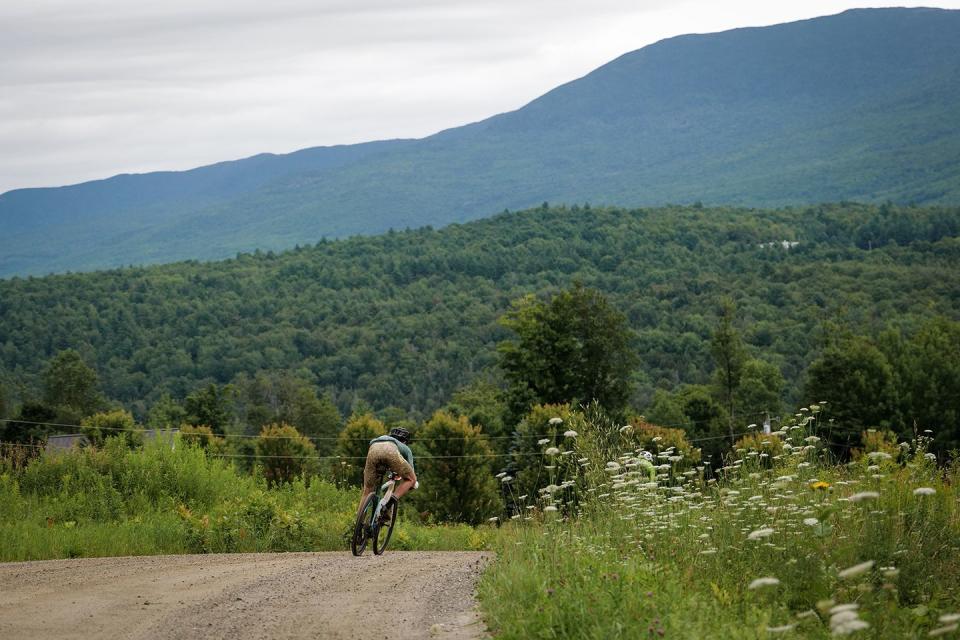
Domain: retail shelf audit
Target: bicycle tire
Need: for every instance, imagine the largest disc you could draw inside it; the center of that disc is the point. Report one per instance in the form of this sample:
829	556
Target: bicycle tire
361	528
388	511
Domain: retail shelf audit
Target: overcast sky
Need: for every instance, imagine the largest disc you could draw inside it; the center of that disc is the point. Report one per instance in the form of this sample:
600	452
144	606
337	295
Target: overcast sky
95	88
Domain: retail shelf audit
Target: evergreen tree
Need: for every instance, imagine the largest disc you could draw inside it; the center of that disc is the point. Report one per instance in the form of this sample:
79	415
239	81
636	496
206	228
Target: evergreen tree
729	357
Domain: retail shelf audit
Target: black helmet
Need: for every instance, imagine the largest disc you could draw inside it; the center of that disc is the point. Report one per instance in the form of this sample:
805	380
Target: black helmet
400	434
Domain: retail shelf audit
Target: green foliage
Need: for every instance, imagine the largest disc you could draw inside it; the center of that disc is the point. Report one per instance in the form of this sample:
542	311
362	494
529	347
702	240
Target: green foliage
71	387
210	406
203	437
639	433
107	424
270	397
858	381
729	357
539	454
405	319
573	347
353	444
759	390
284	454
455	471
481	402
166	413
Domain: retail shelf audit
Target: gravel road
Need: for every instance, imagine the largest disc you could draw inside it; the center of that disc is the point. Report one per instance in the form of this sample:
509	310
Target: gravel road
399	595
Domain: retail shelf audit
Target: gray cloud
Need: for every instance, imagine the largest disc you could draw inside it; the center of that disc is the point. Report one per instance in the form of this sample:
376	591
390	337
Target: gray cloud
101	87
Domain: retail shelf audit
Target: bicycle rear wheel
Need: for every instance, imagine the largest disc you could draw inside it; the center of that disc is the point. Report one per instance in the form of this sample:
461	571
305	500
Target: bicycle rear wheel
361	529
384	529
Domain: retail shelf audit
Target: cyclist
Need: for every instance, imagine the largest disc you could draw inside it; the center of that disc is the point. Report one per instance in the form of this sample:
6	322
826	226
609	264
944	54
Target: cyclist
389	452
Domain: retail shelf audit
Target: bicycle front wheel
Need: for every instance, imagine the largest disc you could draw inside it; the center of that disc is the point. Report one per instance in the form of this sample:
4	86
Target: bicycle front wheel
384	529
361	529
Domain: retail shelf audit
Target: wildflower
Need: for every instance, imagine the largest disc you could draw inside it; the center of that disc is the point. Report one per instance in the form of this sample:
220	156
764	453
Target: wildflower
626	429
879	455
552	451
864	495
924	491
493	519
613	466
543	441
554	421
893	572
811	439
820	485
810	521
930	456
782	629
948	618
570	433
765	532
549	507
763	582
506	479
942	630
856	570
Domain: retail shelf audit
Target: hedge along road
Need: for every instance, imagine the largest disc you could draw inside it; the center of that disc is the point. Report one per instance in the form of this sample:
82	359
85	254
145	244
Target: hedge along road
273	595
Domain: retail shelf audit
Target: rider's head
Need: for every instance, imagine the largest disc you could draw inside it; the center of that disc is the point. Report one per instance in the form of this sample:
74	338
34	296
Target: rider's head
400	434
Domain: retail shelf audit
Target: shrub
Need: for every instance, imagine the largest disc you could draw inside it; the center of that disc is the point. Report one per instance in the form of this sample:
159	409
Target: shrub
455	471
285	454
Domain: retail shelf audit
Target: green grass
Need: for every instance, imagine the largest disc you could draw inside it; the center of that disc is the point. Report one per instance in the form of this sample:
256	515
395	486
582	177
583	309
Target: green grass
678	560
158	500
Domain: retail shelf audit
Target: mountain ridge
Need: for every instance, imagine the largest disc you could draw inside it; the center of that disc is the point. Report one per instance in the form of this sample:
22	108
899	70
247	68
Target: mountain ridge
856	106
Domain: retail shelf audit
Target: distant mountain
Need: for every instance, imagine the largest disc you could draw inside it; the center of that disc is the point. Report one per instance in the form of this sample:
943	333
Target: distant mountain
863	106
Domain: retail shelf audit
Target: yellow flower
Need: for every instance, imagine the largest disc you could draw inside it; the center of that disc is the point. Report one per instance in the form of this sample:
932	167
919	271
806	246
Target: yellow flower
820	485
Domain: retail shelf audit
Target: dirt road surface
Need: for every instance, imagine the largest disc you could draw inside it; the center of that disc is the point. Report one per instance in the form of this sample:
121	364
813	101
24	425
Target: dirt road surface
400	595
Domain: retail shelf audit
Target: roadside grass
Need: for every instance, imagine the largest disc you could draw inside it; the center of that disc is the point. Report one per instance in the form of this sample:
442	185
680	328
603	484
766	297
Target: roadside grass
160	500
787	543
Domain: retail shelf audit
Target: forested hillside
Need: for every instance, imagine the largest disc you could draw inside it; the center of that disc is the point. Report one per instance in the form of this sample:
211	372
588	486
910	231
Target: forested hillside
404	319
859	106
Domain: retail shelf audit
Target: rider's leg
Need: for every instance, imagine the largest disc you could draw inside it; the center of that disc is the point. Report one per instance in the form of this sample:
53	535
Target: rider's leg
405	486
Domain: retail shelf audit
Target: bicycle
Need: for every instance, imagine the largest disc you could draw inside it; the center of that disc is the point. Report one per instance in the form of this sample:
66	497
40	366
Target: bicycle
375	514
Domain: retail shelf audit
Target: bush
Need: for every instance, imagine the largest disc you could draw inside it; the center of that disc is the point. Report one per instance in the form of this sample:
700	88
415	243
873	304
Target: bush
285	454
456	471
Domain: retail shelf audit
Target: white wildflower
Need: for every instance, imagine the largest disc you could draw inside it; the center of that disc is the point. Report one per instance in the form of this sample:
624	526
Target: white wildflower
943	630
948	618
856	570
554	421
570	433
864	495
783	628
924	491
543	441
810	521
552	451
765	532
879	455
549	508
811	439
506	479
763	582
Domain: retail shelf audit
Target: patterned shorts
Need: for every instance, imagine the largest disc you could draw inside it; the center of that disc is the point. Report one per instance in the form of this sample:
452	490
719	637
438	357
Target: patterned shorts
383	457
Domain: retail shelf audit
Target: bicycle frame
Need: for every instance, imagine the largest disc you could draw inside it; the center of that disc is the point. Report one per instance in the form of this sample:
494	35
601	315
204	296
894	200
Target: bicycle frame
387	490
